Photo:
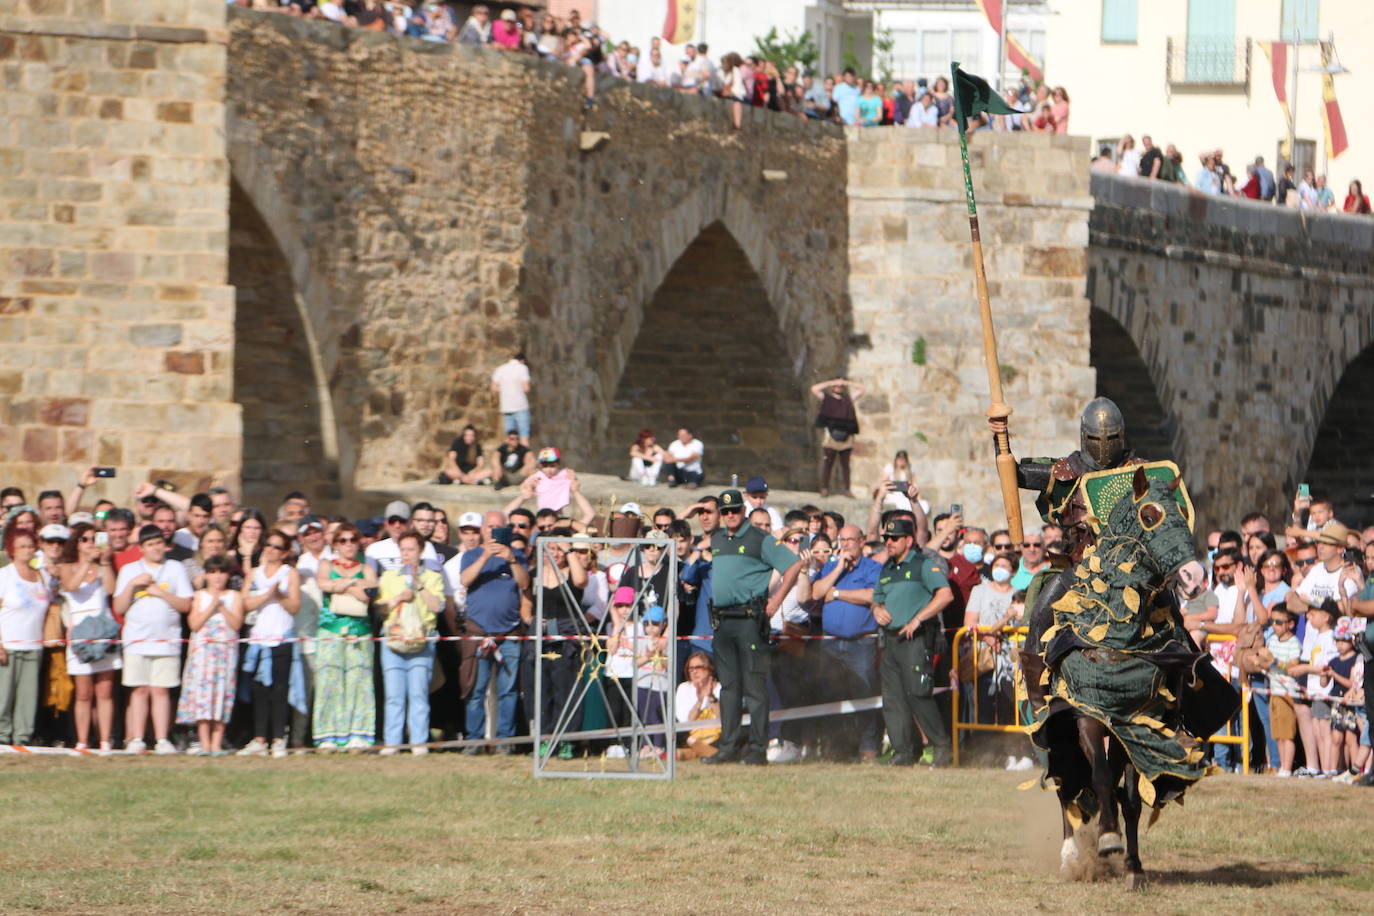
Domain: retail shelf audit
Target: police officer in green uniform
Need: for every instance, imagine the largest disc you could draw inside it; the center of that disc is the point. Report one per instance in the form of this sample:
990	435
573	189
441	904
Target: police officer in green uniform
744	560
907	601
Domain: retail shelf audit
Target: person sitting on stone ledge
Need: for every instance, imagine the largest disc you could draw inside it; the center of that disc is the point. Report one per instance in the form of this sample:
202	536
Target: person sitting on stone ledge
684	459
512	461
463	461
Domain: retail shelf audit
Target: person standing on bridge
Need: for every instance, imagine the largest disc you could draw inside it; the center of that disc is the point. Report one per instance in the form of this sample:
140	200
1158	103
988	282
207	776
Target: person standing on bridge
511	383
744	558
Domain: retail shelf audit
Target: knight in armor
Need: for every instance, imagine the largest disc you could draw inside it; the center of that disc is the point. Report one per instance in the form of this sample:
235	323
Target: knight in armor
1102	446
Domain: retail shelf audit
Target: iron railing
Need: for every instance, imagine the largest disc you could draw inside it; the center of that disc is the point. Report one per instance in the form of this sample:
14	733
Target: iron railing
1209	64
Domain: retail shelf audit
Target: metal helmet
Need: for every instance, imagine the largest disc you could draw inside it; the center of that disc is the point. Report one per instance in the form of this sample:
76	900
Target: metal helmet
1102	432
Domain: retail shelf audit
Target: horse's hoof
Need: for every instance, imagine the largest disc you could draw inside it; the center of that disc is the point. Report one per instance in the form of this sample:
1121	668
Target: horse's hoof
1109	843
1135	880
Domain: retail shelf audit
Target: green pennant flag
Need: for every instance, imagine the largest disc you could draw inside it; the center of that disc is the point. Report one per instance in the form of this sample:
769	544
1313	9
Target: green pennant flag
973	95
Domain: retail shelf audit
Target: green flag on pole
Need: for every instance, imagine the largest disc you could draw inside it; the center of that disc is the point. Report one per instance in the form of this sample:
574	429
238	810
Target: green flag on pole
973	95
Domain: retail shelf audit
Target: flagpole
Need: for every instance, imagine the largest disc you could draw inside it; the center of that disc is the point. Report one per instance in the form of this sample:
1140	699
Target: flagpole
998	410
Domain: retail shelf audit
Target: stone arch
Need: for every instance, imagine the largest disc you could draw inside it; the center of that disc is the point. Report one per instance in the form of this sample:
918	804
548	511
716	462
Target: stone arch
1339	464
1123	376
289	434
1131	364
704	314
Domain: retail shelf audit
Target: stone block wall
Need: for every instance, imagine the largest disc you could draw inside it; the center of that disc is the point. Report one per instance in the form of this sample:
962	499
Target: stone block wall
917	333
116	320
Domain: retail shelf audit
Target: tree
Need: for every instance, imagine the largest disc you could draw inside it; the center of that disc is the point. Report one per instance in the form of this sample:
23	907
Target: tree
883	42
793	50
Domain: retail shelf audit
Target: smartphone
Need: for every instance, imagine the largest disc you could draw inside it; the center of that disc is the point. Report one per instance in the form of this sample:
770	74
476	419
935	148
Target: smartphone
502	535
1304	491
103	472
102	539
1354	556
893	486
165	485
371	593
956	509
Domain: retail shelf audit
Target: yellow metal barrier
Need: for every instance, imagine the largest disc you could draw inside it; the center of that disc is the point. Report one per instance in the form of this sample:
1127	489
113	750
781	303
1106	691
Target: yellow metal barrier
1018	635
956	723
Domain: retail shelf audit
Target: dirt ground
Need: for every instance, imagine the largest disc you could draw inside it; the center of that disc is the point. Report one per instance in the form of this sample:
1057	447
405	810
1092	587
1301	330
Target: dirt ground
446	834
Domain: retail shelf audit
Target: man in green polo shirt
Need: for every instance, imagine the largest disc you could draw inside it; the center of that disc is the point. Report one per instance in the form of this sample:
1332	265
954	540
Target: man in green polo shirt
907	601
744	560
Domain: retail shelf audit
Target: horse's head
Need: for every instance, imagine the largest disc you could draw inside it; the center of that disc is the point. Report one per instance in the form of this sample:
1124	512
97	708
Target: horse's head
1154	517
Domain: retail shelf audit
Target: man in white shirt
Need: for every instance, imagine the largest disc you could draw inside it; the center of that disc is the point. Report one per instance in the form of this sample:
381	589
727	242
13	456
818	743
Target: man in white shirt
511	382
152	594
197	520
756	495
924	113
1324	579
653	70
313	549
386	554
684	459
469	538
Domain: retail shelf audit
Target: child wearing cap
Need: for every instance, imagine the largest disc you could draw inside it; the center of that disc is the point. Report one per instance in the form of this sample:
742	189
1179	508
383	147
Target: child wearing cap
620	664
1284	647
651	674
1319	647
1347	674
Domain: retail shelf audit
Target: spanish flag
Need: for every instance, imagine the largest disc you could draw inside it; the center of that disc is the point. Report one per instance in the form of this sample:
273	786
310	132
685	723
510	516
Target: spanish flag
1336	142
681	23
1016	53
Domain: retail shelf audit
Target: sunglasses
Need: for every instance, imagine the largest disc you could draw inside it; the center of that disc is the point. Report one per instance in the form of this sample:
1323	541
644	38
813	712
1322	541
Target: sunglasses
794	540
276	546
697	668
87	539
1223	567
346	540
1307	562
1007	546
887	537
521	525
653	546
1273	564
662	527
1032	543
731	511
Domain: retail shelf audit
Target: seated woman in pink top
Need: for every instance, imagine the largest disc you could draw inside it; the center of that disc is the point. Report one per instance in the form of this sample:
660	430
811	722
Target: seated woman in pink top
553	487
1060	110
505	32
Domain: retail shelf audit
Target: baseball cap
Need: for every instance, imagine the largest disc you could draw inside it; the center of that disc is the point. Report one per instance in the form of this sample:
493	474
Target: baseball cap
656	534
78	518
310	523
150	533
899	528
550	455
470	520
655	614
1333	532
56	533
623	595
731	499
368	527
756	485
397	508
508	15
631	509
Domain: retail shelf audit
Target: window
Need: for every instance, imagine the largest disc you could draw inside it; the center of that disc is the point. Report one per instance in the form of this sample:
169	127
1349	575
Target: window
928	52
1304	157
1120	19
1298	20
1211	44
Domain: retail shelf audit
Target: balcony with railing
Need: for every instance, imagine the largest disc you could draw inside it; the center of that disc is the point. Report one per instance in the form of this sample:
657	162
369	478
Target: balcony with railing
1207	65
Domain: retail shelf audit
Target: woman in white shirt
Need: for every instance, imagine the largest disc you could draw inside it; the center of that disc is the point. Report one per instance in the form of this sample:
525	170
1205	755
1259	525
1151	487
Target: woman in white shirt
88	580
23	607
1127	157
698	697
273	591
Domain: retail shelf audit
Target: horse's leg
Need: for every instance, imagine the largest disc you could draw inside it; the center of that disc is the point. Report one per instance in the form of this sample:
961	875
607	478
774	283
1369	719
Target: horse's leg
1092	737
1068	850
1130	813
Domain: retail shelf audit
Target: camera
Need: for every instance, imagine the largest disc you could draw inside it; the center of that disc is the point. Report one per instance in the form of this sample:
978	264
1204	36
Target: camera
1353	555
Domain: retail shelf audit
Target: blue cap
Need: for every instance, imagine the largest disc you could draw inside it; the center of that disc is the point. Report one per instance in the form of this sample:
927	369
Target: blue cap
756	485
368	527
655	614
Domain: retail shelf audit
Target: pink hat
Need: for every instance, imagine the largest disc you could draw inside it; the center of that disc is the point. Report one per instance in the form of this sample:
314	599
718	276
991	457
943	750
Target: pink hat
1345	629
623	595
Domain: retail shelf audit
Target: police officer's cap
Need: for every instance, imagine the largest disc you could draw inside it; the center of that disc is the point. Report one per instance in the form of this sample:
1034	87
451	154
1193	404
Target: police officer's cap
731	499
899	528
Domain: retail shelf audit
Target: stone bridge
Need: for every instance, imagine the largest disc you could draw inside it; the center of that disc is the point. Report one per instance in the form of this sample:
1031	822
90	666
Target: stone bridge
289	254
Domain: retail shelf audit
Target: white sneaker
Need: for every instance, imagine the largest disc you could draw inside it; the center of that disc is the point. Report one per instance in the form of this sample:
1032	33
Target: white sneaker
388	751
164	746
1025	763
419	751
136	746
357	744
279	747
615	752
1284	774
193	749
1347	778
255	748
1012	763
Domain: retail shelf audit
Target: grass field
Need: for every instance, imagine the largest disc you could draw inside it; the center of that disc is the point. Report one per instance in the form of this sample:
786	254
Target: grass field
445	834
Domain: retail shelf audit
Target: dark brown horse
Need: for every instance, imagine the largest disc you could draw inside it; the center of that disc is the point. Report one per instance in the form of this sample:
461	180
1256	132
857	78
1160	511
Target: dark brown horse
1117	687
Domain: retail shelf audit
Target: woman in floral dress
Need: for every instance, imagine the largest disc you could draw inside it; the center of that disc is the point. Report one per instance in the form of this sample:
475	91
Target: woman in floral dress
207	686
345	706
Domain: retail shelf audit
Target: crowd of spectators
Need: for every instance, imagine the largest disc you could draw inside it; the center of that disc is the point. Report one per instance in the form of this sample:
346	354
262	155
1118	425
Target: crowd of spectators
198	625
1214	176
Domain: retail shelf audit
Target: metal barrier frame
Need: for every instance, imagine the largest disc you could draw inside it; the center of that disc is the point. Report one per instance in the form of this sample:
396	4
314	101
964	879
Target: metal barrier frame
957	725
593	636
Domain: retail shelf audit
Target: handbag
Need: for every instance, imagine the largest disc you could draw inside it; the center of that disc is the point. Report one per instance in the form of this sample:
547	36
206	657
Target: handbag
95	636
413	635
345	605
987	661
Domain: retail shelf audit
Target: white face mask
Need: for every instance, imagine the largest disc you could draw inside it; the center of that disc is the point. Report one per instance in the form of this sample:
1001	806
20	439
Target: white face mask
973	553
1000	574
